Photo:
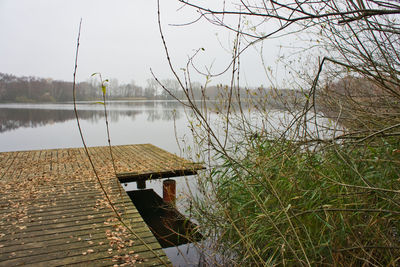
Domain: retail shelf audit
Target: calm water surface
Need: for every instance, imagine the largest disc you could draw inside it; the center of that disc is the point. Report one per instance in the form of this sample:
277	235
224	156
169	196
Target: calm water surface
44	126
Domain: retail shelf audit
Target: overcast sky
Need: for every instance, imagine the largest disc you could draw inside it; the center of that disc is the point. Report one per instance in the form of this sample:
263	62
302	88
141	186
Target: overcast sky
119	38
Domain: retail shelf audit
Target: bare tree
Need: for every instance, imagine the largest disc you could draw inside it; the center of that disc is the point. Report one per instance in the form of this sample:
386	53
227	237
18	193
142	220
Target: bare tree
314	184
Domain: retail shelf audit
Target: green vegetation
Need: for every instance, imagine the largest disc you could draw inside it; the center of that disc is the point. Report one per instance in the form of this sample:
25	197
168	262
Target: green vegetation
280	204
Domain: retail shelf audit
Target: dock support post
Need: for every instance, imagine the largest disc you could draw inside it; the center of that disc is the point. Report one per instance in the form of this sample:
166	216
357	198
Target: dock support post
169	191
141	184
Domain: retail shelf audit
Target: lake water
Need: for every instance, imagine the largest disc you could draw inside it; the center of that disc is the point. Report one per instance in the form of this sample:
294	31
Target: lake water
46	126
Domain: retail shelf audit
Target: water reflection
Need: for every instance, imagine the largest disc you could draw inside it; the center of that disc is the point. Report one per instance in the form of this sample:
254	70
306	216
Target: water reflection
14	116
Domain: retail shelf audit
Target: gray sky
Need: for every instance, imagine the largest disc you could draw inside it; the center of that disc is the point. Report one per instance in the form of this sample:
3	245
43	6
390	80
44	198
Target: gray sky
119	38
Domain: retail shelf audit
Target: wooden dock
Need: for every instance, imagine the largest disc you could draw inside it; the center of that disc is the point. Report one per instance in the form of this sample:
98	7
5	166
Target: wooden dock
53	211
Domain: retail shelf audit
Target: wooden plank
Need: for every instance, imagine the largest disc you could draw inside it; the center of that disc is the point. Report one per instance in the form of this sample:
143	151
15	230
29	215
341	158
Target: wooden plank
76	234
74	252
129	177
54	212
6	163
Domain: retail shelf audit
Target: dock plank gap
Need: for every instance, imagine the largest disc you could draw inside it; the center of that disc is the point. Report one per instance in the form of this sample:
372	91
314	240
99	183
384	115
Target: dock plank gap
53	210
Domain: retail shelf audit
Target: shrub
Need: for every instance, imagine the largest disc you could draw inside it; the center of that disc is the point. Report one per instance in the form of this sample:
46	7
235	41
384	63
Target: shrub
283	205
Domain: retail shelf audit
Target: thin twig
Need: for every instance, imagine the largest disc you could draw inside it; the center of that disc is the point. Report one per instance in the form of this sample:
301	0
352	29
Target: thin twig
120	219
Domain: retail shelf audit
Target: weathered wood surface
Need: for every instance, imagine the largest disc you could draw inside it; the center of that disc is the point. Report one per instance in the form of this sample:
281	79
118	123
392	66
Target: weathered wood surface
53	211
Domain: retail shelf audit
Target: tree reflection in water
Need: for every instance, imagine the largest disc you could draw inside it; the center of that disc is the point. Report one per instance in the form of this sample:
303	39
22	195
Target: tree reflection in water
14	116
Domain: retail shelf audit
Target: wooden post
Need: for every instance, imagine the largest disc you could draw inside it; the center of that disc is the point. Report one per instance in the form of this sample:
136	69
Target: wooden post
169	191
141	184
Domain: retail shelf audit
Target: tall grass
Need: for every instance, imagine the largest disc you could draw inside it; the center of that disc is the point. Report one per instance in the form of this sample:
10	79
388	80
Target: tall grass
281	204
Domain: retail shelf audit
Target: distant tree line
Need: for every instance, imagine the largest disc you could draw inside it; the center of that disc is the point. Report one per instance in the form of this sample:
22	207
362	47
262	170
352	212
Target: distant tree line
35	89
